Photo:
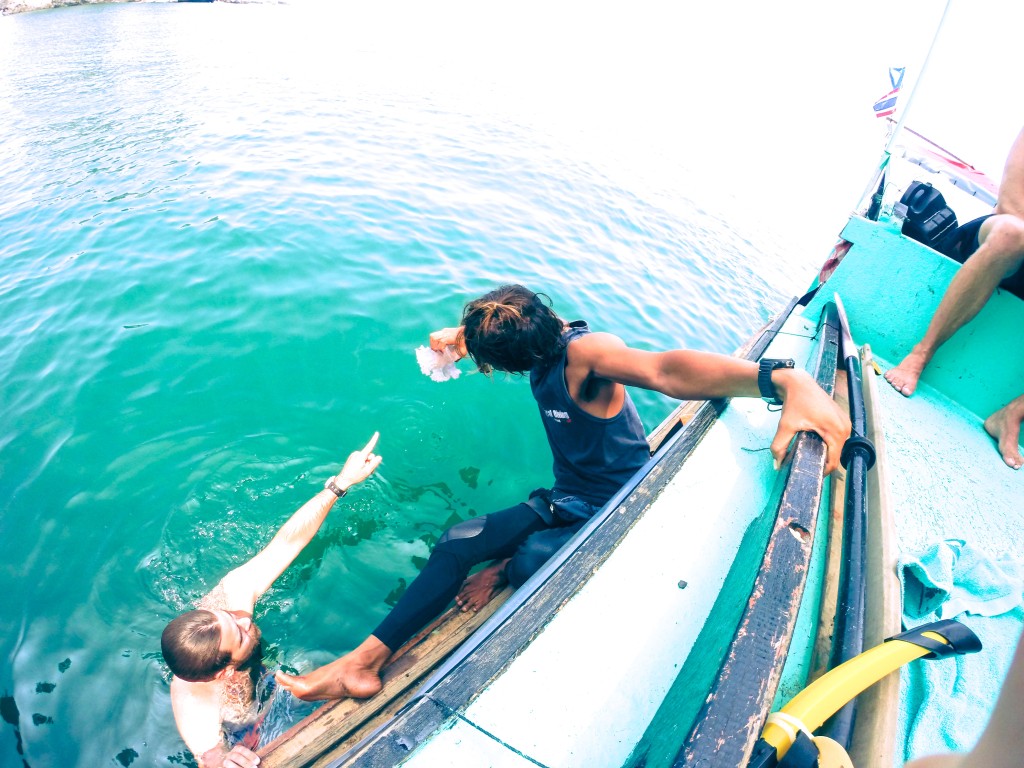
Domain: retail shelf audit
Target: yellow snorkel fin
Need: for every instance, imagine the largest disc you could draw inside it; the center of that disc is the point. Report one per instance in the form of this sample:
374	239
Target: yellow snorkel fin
792	728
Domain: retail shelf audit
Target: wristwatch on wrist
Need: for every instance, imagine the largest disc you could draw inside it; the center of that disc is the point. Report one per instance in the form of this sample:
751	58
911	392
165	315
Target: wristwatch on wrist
331	486
764	378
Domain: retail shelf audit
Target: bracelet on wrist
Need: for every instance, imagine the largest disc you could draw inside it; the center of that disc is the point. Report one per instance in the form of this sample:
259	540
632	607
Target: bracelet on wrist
331	486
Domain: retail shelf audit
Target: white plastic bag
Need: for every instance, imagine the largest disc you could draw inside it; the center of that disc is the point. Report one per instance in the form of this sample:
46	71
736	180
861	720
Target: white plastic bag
439	366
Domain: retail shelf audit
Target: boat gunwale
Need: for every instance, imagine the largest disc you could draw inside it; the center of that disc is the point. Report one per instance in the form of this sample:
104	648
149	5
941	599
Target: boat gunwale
727	727
500	640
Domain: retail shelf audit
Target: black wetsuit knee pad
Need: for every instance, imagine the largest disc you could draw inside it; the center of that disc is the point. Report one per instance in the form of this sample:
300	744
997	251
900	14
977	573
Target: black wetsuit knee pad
467	529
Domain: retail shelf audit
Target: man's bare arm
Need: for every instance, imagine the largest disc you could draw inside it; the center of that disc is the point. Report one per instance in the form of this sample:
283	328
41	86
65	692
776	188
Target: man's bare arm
244	585
449	337
692	375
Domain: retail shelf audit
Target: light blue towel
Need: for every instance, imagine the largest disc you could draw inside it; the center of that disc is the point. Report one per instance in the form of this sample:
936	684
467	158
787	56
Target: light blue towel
951	577
946	703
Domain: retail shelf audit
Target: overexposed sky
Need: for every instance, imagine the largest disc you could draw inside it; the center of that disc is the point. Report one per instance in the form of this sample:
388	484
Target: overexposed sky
769	104
753	110
768	68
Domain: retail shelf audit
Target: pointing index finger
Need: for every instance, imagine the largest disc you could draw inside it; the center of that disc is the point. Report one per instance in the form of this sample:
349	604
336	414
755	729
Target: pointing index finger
373	442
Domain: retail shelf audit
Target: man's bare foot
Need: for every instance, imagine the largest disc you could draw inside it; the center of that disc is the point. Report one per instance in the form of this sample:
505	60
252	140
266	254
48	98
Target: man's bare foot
904	377
355	675
479	588
1004	427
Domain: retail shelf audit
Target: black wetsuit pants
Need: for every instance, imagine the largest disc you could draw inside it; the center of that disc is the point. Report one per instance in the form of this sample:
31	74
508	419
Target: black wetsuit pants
518	533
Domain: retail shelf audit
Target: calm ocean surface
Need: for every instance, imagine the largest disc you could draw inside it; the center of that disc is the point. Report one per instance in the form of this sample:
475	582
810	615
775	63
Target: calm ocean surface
218	254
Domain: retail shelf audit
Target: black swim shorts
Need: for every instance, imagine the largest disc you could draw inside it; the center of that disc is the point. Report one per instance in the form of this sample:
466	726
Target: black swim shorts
964	243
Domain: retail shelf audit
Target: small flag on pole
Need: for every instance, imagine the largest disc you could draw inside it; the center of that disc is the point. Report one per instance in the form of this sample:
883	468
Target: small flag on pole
886	105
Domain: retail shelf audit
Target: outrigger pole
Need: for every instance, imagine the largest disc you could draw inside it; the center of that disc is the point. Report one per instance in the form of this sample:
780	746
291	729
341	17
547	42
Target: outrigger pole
858	457
913	91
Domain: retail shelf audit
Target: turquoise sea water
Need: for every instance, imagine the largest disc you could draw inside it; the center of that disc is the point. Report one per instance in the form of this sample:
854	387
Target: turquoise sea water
218	255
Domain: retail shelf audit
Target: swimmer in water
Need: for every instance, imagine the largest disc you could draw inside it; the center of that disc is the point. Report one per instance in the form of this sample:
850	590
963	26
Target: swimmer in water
214	650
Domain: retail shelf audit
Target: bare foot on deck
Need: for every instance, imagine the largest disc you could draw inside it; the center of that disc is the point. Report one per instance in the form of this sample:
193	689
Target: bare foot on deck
1004	427
355	675
904	377
479	588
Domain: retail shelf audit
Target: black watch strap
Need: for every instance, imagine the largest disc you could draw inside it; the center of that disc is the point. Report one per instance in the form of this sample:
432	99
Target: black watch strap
764	378
331	486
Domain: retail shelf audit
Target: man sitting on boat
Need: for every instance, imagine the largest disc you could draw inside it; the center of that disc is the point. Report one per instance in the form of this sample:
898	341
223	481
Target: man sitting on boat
598	443
214	651
995	248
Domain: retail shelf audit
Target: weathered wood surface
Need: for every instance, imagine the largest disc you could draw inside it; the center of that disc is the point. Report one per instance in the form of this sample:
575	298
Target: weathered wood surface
830	584
734	711
344	722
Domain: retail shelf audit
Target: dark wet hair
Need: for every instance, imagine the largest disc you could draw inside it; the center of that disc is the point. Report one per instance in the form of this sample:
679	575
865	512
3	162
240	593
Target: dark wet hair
512	329
191	646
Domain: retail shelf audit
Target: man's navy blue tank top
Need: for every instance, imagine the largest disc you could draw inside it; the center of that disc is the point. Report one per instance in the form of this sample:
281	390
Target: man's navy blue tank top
594	457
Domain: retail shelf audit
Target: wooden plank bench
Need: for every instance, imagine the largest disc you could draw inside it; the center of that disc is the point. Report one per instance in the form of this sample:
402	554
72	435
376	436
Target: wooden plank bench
336	726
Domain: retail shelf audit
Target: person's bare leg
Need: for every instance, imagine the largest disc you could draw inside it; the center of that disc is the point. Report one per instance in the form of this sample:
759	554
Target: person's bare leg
970	288
1011	188
1002	742
1004	427
355	675
480	587
1001	254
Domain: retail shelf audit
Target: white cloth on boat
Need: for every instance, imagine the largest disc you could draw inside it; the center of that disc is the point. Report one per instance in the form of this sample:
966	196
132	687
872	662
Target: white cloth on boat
945	703
439	366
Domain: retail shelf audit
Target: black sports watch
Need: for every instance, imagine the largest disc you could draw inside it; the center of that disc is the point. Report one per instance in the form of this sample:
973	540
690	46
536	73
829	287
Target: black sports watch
764	378
331	486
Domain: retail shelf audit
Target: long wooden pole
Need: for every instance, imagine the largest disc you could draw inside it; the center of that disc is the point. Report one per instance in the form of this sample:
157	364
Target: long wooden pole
917	80
904	111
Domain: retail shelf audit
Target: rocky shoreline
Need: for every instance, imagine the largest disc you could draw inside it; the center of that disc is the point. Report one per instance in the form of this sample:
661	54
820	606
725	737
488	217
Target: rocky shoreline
8	7
20	6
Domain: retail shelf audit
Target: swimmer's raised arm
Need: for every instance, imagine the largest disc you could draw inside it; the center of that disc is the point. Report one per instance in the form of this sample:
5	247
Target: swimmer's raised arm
244	585
207	646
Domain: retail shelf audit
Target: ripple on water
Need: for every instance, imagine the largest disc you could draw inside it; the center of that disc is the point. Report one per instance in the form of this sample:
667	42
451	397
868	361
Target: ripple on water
219	256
